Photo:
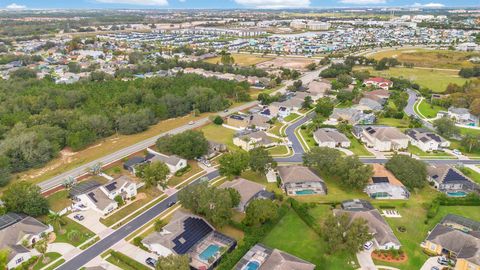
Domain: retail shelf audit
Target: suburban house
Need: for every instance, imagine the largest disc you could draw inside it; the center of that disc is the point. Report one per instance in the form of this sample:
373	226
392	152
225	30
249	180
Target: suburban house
191	235
450	180
173	162
251	140
276	110
214	149
384	185
329	137
383	236
319	89
238	121
352	116
263	258
382	138
426	140
457	238
260	122
17	230
367	104
378	82
462	116
101	198
300	180
248	191
379	95
293	104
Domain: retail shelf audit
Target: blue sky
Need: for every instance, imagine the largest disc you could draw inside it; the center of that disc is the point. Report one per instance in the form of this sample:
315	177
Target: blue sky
229	3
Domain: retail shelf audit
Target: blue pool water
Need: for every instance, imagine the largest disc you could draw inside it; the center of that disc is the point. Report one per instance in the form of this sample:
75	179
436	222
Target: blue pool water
305	192
457	194
209	252
252	265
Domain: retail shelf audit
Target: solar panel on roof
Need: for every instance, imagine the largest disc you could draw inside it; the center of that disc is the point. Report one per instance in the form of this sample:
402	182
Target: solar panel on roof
111	186
453	176
194	230
380	179
9	219
371	131
92	196
83	188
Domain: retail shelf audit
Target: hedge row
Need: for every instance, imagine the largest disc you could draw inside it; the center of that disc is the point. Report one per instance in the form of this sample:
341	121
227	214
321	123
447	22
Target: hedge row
302	211
472	199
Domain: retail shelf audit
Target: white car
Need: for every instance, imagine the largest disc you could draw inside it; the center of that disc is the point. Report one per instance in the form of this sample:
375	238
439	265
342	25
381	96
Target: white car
191	122
368	245
457	152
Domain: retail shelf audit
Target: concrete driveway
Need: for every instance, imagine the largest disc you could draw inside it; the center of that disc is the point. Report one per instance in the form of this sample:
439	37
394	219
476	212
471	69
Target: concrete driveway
431	262
134	252
365	260
91	221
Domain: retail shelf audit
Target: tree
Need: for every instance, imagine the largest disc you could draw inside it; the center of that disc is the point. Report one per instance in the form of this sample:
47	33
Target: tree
218	120
234	163
189	144
324	106
307	102
159	224
235	196
411	172
25	197
446	127
226	58
260	211
260	160
471	142
74	67
4	258
23	74
154	174
4	171
344	79
135	57
54	219
173	262
213	203
354	174
323	159
41	246
341	235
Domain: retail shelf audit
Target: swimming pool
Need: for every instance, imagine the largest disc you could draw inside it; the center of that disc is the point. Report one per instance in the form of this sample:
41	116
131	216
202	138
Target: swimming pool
457	194
209	252
252	265
305	192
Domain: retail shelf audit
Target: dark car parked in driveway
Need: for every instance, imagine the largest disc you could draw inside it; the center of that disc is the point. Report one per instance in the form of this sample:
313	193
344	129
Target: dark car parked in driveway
151	261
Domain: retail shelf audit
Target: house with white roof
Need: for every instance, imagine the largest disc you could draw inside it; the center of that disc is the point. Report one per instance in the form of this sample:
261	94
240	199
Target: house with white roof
248	191
329	137
382	138
426	140
462	116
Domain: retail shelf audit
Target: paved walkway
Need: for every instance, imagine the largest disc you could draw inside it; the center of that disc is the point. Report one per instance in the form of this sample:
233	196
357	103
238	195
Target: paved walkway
365	260
431	262
133	252
68	251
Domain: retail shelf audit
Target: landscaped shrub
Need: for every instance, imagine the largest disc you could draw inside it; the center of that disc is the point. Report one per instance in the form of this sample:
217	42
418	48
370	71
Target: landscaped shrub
127	260
183	171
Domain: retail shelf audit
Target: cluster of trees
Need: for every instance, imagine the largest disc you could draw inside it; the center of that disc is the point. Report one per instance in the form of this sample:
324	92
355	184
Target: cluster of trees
470	72
189	144
39	118
260	211
464	96
25	197
341	235
350	171
154	174
386	63
173	262
234	163
447	128
400	100
412	172
213	203
335	70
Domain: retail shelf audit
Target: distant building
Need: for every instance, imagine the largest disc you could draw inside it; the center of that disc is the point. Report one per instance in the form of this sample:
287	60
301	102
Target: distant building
261	257
378	82
318	26
468	47
462	116
250	140
352	116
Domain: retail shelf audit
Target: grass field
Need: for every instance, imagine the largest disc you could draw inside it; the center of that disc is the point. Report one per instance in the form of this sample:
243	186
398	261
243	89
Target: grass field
358	148
194	169
261	179
430	58
242	59
65	234
292	117
59	200
417	151
437	80
278	150
220	134
295	237
428	110
393	122
51	257
475	176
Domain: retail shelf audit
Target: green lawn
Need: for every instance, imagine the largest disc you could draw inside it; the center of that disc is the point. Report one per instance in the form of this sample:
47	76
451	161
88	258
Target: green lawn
291	117
275	129
59	200
308	137
220	134
358	148
55	265
51	257
393	122
145	196
194	169
417	151
435	79
261	179
475	176
278	150
428	110
123	265
66	233
465	131
292	235
454	144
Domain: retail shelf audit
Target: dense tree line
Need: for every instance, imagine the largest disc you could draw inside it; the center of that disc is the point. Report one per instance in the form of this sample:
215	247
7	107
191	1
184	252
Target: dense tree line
470	72
189	144
412	172
39	118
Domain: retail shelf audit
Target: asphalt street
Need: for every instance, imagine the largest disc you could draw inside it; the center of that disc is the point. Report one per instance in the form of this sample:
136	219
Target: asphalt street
119	234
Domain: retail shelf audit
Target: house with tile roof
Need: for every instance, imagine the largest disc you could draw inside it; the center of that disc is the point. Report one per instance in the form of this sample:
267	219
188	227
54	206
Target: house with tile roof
250	140
263	258
248	191
378	82
300	180
329	137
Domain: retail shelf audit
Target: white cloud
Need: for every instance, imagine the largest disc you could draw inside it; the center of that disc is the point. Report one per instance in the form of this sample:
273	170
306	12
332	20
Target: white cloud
363	2
136	2
16	6
274	3
429	5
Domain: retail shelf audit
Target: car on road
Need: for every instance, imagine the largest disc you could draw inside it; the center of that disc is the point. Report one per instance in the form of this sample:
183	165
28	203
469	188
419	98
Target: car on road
170	204
151	261
226	110
368	245
434	268
79	217
442	261
191	122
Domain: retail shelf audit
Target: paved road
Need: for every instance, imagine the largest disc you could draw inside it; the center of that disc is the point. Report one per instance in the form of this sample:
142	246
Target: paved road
297	148
107	242
409	110
82	169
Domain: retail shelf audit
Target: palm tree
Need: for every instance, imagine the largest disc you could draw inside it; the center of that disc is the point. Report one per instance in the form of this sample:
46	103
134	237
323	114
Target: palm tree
55	220
41	246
